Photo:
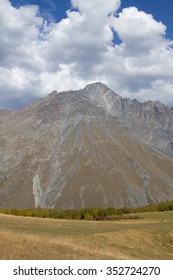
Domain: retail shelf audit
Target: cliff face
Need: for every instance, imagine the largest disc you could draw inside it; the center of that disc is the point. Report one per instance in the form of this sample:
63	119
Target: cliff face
86	148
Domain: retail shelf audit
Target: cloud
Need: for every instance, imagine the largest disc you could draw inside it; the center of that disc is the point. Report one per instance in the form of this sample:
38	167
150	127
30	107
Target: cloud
37	56
146	55
132	24
96	8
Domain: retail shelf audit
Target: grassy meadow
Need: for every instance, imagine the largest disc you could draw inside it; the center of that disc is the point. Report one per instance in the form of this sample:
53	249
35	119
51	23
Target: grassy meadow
146	235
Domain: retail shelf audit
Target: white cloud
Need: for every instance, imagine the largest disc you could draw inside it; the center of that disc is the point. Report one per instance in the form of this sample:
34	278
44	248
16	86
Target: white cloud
132	24
97	8
37	57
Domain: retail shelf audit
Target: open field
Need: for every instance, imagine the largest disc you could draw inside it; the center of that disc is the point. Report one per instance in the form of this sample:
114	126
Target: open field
150	237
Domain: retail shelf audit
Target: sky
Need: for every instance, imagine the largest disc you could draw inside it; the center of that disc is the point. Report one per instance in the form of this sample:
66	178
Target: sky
61	45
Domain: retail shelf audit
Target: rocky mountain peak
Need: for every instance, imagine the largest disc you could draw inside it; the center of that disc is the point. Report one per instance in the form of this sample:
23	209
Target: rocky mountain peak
96	86
150	121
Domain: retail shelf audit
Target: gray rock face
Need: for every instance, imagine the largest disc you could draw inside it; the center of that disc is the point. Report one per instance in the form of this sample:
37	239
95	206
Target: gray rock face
83	148
151	122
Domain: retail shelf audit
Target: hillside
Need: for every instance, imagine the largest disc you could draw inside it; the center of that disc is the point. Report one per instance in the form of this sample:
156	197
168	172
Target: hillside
86	148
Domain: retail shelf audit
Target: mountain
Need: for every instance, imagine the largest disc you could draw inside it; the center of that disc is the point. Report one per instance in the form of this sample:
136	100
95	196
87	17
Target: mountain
86	148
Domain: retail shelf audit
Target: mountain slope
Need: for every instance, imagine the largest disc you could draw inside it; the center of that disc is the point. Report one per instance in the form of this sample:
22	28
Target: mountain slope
151	122
73	150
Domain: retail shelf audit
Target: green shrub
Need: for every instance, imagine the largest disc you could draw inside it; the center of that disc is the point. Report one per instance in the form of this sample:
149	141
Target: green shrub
124	210
94	213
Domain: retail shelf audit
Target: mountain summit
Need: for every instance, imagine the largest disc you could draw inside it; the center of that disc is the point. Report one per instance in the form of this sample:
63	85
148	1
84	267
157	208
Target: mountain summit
86	148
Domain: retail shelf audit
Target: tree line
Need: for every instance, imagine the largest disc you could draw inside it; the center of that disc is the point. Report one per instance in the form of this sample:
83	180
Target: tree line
94	213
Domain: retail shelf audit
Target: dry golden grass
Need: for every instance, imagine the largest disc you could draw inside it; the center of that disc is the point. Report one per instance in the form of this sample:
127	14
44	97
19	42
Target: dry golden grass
38	238
34	247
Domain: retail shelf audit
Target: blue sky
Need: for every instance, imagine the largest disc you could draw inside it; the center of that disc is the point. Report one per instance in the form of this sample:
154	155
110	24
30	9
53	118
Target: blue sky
127	44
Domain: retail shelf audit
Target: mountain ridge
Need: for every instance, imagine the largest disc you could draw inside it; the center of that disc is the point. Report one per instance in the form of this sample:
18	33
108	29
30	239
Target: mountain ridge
141	117
79	149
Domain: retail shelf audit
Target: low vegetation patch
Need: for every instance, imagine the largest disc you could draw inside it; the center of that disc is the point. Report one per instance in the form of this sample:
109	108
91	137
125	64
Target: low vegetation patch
95	214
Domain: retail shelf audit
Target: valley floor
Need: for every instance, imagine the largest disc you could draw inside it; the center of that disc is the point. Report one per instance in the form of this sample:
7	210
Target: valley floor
150	237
